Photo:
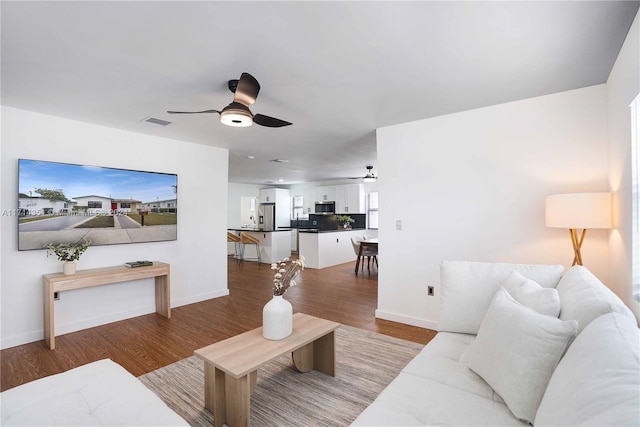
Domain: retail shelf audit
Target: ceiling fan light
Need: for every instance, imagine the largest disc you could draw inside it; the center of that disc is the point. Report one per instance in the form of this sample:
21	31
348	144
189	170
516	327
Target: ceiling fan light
369	177
236	118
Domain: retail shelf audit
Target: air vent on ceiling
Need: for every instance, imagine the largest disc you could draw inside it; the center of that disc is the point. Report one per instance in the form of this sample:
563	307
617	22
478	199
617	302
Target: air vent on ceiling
279	161
156	121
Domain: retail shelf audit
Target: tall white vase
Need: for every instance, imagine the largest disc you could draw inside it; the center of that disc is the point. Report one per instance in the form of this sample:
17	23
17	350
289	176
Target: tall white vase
277	318
68	268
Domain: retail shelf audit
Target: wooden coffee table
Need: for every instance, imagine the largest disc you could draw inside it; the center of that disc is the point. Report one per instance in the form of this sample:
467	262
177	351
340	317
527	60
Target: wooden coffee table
231	366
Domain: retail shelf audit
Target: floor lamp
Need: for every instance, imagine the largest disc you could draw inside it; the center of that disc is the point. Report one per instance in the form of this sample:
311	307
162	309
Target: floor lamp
578	211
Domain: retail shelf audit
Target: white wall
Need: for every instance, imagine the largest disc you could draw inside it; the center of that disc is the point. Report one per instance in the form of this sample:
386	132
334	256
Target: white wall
236	191
471	186
623	86
197	258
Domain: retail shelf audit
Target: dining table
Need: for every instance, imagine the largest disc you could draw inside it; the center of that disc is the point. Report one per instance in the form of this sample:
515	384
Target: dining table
367	245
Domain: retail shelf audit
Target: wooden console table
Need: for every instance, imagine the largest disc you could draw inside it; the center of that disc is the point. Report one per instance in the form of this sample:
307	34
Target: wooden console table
58	282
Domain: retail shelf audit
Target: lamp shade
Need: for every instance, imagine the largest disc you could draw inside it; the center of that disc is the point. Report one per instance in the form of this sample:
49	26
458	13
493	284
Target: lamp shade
578	210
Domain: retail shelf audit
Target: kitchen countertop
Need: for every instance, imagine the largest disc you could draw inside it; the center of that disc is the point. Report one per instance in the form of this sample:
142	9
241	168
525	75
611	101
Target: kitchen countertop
259	230
315	230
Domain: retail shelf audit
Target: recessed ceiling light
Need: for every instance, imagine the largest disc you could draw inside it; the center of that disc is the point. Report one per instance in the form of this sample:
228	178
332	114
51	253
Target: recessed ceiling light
250	157
281	180
279	161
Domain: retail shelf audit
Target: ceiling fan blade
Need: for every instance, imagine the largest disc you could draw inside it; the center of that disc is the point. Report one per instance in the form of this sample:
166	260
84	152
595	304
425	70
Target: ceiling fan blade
247	90
272	122
193	112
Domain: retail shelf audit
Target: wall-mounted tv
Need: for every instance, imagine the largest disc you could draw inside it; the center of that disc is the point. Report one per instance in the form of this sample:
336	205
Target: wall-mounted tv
64	203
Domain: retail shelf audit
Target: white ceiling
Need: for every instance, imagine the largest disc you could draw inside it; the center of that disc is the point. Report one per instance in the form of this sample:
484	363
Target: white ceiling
336	70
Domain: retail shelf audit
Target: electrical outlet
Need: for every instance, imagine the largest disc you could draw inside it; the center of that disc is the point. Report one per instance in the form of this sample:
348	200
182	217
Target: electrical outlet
398	224
430	291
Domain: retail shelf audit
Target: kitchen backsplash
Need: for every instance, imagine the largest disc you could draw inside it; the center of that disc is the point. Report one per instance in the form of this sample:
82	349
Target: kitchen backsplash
326	222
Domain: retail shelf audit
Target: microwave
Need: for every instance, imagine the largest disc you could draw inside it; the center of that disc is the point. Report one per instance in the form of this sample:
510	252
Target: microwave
325	208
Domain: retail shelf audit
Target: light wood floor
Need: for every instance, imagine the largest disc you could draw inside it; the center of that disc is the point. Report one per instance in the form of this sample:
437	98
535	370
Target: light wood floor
149	342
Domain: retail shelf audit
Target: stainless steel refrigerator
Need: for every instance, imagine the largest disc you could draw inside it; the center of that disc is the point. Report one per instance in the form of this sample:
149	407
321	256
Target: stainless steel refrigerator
267	216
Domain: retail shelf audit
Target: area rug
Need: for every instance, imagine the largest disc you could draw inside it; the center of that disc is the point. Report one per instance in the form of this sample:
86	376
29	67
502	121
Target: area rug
365	363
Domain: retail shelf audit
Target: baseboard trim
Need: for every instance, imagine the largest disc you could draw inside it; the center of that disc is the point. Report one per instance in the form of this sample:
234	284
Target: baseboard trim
197	298
103	320
407	320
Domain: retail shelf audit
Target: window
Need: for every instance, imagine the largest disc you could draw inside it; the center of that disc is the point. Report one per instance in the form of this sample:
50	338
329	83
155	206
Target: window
372	209
635	197
94	204
125	205
298	207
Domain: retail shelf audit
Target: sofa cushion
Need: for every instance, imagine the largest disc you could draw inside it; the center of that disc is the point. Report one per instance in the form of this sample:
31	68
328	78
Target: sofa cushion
99	393
413	401
467	289
435	388
516	351
532	295
442	361
583	297
598	380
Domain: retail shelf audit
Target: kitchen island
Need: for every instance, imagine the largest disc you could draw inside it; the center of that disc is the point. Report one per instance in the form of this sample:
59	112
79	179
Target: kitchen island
325	248
274	244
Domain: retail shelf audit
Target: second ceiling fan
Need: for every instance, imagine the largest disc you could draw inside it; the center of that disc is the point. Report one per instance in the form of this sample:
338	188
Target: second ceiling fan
237	113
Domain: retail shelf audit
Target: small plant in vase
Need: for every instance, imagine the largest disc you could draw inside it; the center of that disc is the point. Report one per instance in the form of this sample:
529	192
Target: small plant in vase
344	221
277	314
68	253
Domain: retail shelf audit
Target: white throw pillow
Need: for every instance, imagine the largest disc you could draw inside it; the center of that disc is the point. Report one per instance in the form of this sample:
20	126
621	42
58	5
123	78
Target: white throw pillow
532	295
467	289
583	297
597	382
516	351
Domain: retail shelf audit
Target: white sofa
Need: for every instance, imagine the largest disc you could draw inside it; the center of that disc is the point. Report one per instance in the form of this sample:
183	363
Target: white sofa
518	345
101	393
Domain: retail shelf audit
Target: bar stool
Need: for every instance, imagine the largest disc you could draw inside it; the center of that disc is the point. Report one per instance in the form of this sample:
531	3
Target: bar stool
247	239
236	245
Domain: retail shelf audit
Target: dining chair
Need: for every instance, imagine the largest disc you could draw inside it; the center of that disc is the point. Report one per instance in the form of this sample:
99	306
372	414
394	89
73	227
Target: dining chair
363	250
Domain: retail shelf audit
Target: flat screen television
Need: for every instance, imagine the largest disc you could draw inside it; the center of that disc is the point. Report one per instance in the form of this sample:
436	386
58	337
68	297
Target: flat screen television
64	203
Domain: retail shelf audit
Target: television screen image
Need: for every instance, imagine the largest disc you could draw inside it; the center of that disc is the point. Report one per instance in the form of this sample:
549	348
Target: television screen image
65	203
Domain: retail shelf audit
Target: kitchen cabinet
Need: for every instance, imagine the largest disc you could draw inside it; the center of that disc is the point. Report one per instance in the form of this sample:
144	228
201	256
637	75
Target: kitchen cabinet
274	245
327	249
350	198
268	195
294	240
281	197
309	200
326	194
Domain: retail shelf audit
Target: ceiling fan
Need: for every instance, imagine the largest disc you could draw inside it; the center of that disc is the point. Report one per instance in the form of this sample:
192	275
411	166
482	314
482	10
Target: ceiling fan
369	177
237	113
